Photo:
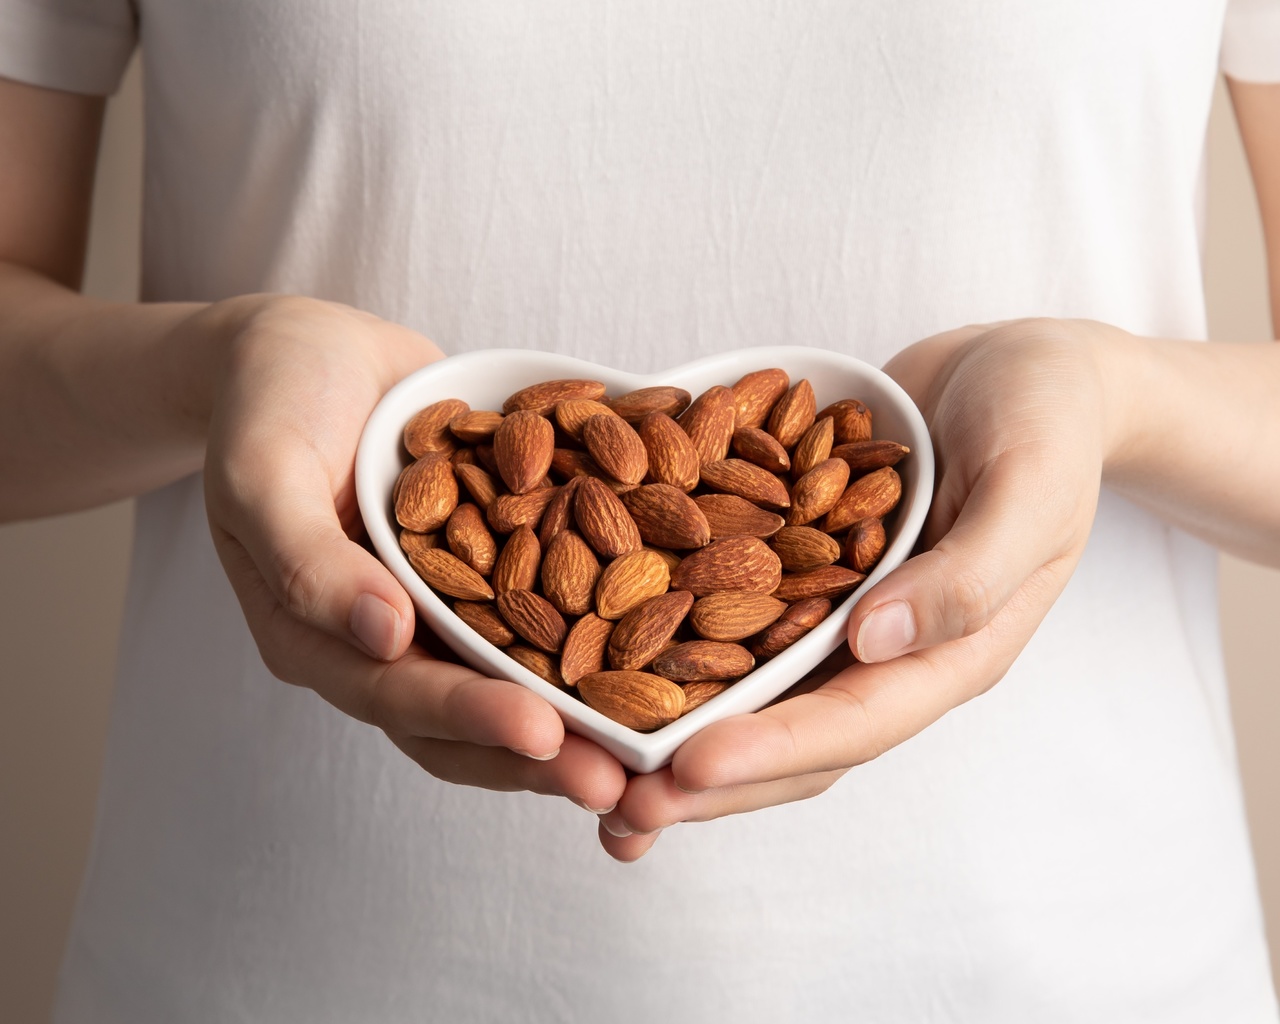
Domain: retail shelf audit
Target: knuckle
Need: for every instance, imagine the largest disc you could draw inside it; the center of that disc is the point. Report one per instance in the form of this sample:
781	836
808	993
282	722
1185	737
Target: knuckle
301	588
968	603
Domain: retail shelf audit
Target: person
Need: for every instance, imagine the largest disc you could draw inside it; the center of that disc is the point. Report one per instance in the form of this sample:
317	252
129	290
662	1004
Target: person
329	187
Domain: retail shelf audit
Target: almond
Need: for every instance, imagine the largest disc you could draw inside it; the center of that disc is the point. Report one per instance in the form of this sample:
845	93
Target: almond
427	495
794	414
534	618
762	448
755	395
574	412
469	538
447	573
603	520
865	544
828	581
559	513
542	398
814	447
746	480
852	420
730	516
428	430
697	694
630	580
673	459
509	512
483	617
863	456
700	661
616	447
569	463
638	700
802	547
523	446
463	457
873	496
537	662
794	623
517	564
667	517
634	406
475	426
484	456
569	573
737	563
670	557
644	631
584	648
808	611
709	423
734	615
479	484
817	491
410	541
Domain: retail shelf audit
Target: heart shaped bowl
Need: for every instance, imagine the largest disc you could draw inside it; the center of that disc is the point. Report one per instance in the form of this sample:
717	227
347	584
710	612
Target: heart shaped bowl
485	378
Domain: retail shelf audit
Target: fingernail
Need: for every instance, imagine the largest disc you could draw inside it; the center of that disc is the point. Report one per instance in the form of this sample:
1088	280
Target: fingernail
536	757
618	831
886	632
593	810
376	625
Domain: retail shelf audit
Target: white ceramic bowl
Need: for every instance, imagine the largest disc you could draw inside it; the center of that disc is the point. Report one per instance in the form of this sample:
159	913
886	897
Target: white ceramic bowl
486	378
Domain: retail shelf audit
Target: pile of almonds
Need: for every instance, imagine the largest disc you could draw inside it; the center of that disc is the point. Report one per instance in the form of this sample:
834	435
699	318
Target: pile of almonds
646	550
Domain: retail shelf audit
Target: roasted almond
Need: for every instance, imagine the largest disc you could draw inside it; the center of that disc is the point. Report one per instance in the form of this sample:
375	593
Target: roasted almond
738	563
794	414
475	426
755	395
517	564
523	446
469	538
616	447
814	447
428	430
534	618
634	406
644	631
673	459
572	414
852	420
410	541
746	480
762	448
667	517
559	513
730	516
584	648
794	623
479	484
630	580
446	572
540	664
569	573
508	512
709	422
828	581
864	545
864	456
734	615
483	617
698	661
670	557
542	398
697	694
638	700
569	463
872	496
603	520
802	547
427	494
817	491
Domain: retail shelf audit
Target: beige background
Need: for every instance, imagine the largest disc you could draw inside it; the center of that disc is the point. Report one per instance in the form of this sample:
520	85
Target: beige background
62	582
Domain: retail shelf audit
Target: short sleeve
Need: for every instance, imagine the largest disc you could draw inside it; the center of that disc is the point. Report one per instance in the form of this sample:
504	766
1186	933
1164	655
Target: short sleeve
77	45
1251	41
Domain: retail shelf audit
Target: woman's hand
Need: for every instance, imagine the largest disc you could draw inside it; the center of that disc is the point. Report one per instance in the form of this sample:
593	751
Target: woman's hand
1019	418
299	380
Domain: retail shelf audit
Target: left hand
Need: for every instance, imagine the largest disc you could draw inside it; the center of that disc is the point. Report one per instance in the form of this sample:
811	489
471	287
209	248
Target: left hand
1021	430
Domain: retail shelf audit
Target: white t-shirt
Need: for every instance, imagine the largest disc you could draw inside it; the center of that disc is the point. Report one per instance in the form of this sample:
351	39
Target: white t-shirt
640	184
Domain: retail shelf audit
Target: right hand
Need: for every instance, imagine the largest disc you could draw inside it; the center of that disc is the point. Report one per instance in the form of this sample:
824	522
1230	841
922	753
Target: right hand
300	378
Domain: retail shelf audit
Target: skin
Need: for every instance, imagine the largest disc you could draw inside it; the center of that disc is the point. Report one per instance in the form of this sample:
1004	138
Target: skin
268	395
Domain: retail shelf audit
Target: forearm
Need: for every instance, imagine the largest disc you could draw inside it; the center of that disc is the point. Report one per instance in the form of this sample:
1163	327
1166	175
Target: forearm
1196	436
98	400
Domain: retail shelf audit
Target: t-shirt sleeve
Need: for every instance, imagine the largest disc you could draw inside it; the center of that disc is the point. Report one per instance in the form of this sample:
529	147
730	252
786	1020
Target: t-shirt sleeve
77	45
1251	41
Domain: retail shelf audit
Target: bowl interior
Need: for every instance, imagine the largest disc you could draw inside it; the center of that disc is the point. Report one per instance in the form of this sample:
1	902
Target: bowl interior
484	379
